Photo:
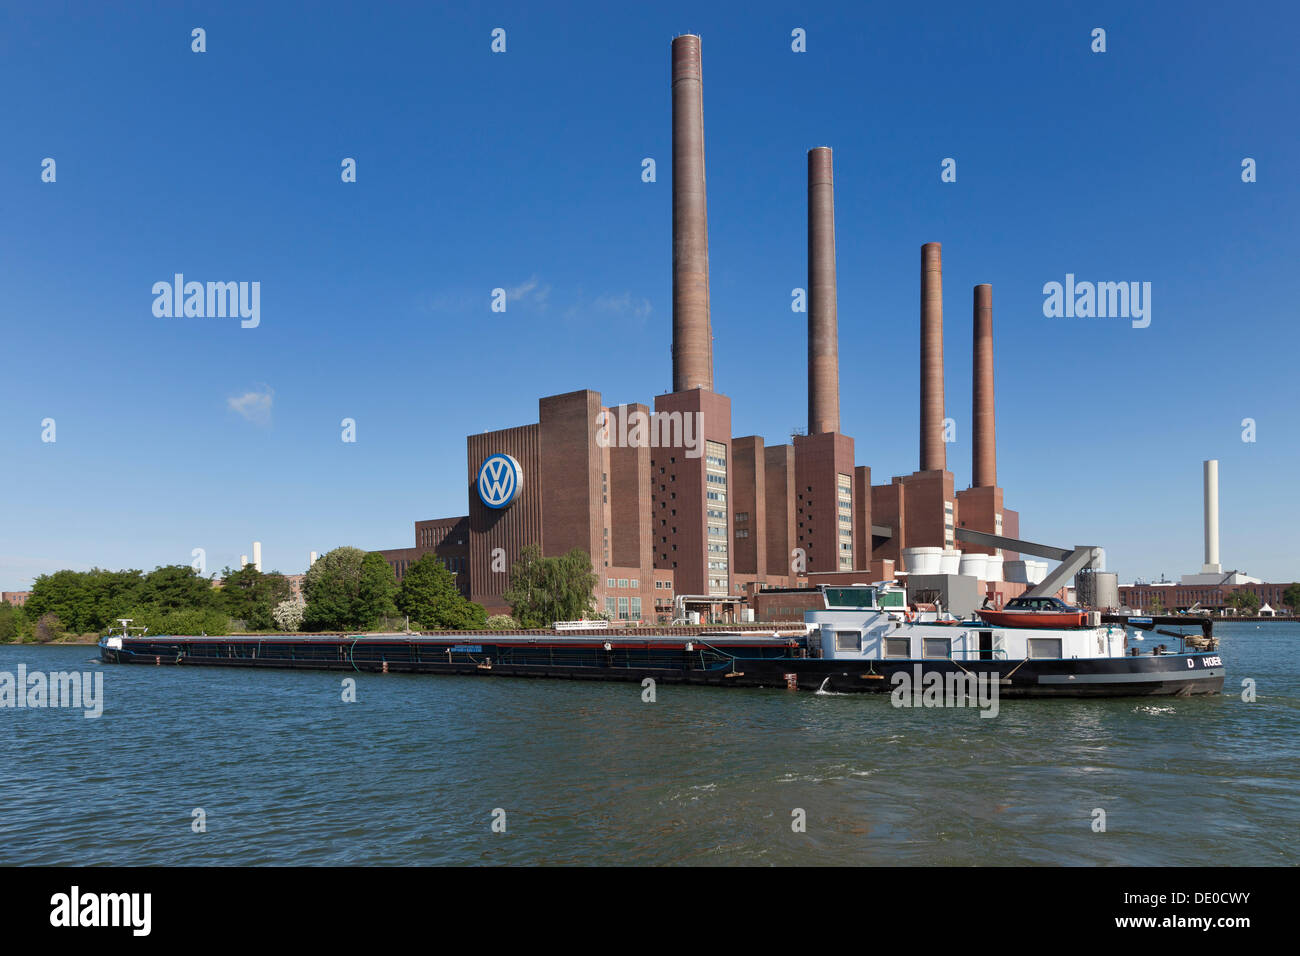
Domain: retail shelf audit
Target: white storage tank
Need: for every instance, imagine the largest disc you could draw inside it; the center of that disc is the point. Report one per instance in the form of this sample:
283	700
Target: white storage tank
922	560
1036	570
975	565
950	561
993	567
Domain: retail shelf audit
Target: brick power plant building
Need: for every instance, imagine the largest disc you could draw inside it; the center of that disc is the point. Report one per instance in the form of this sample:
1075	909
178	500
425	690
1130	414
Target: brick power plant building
667	501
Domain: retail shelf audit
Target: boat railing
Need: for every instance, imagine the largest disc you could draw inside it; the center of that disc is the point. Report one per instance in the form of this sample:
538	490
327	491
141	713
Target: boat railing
598	625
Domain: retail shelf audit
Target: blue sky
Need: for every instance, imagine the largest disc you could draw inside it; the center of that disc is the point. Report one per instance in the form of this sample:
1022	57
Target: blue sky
522	170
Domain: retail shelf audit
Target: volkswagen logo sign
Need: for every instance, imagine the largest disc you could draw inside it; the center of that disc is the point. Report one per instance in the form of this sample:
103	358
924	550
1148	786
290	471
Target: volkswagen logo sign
500	479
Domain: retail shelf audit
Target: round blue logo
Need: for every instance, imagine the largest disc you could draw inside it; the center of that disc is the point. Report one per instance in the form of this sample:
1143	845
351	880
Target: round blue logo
500	479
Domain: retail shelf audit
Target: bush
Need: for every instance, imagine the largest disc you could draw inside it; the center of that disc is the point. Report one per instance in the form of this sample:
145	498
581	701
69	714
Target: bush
288	614
48	628
502	622
193	621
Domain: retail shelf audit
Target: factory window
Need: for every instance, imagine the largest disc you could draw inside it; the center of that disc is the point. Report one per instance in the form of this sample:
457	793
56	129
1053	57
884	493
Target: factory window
609	606
622	582
898	647
636	607
609	582
635	583
622	609
936	647
848	640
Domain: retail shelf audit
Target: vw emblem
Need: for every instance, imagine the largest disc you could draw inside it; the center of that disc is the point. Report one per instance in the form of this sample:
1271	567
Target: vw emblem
499	480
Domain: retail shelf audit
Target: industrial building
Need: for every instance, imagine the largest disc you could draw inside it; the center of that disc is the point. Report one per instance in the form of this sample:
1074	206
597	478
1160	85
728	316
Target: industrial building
668	503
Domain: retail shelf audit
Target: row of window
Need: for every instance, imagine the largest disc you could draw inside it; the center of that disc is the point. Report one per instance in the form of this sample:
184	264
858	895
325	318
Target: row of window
623	609
940	648
632	583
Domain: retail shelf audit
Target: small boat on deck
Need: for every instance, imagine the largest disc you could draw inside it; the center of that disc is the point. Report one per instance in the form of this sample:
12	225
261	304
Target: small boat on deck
1041	612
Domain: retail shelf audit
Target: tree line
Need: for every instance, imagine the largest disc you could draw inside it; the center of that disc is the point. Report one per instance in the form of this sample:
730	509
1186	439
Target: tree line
346	589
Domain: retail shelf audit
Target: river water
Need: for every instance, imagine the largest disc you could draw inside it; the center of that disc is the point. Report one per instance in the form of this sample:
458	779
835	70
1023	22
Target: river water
418	768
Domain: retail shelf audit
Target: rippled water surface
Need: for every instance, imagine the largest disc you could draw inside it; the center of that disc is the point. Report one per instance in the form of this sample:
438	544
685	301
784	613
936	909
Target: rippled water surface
287	773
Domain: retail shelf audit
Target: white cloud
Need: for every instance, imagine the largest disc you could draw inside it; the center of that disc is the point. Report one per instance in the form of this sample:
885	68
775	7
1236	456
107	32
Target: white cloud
530	291
624	305
254	406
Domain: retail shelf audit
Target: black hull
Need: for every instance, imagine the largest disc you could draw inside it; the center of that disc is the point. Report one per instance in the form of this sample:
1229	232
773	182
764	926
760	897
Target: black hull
770	666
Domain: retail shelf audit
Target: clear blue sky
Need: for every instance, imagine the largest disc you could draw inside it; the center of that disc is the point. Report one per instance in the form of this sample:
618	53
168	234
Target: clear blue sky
522	170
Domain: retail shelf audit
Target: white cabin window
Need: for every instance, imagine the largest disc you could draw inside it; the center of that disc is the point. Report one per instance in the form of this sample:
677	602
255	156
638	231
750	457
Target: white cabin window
848	640
898	647
1044	647
936	647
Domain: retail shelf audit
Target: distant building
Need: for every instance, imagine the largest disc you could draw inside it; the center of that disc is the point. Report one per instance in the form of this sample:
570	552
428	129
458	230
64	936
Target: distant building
16	598
1168	596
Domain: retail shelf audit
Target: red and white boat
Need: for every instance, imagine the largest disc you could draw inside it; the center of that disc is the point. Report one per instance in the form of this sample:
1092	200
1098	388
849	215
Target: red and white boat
1048	612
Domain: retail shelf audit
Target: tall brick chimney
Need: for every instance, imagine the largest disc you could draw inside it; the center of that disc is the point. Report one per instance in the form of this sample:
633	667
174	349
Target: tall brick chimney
692	337
933	452
984	456
823	322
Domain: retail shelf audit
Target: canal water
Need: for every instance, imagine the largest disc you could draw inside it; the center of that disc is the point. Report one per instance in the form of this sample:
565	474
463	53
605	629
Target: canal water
273	767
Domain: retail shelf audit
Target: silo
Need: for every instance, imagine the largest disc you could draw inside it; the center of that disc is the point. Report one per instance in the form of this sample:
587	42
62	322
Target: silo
1097	590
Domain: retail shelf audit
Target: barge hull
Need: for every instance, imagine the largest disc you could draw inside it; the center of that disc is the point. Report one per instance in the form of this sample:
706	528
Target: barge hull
771	665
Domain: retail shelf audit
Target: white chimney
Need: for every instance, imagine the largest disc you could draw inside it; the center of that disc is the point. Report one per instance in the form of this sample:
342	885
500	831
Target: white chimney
243	560
311	559
257	555
1212	565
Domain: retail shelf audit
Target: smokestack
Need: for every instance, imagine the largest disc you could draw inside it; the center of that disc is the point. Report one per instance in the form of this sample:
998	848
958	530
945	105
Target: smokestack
985	454
692	337
823	321
1212	565
257	555
933	453
243	560
311	559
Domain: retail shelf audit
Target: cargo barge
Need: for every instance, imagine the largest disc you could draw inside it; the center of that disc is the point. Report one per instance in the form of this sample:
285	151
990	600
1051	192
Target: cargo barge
865	639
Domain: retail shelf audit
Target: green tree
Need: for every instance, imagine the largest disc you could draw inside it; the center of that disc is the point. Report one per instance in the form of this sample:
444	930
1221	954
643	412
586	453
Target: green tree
1244	600
428	593
177	587
378	595
250	596
84	601
1291	598
347	589
545	590
12	623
